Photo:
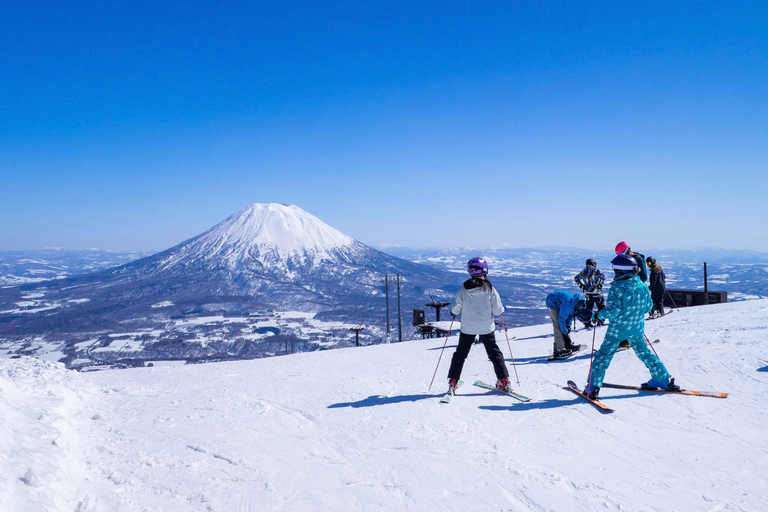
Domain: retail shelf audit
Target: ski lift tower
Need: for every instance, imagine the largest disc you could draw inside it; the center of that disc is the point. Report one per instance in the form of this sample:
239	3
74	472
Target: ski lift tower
357	333
437	307
397	278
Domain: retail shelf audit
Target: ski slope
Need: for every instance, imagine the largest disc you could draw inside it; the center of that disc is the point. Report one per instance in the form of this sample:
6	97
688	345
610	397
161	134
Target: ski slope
357	430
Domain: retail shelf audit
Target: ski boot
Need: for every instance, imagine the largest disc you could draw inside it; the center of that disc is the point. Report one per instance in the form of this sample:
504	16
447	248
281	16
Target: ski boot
452	385
503	384
562	354
667	384
573	348
592	392
624	344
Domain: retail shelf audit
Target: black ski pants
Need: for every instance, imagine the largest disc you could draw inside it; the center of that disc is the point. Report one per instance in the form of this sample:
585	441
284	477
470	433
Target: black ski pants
491	348
657	296
595	298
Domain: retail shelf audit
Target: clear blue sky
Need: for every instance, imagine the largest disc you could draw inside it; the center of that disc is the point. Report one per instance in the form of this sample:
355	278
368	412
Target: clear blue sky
136	125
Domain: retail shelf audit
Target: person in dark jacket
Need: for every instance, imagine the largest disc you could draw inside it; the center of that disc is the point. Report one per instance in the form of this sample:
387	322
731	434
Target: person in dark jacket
478	303
563	307
623	248
657	285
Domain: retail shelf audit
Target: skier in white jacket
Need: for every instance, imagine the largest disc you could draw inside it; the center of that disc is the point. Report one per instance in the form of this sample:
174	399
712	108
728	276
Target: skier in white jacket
477	302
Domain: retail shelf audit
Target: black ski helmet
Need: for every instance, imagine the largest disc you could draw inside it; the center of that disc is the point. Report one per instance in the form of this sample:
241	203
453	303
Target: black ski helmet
581	311
591	263
650	261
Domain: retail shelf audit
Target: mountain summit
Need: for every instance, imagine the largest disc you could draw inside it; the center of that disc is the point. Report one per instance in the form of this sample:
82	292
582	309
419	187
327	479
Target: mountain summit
267	233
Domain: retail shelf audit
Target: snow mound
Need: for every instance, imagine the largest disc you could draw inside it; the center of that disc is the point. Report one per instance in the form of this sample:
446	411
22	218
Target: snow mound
42	435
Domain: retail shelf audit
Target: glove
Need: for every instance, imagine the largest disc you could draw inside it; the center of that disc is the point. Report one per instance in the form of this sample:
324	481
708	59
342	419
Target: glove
569	330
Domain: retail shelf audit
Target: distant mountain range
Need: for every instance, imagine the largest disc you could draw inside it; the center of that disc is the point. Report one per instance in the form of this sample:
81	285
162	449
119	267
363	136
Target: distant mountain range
264	259
21	267
271	279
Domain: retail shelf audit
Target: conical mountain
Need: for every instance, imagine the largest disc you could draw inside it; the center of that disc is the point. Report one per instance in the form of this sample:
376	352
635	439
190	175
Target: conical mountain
264	257
266	235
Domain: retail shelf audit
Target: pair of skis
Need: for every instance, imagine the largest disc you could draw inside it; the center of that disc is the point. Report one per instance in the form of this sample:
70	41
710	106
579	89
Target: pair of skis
599	404
448	396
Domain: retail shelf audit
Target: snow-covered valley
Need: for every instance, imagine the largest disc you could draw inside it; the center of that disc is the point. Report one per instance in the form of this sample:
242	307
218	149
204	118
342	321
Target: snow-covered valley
357	429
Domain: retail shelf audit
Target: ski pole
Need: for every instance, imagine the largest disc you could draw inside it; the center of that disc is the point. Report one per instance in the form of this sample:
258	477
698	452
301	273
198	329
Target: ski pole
670	298
441	353
510	349
650	344
591	356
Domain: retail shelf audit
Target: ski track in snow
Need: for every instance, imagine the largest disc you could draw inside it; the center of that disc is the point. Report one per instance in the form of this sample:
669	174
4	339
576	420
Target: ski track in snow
356	429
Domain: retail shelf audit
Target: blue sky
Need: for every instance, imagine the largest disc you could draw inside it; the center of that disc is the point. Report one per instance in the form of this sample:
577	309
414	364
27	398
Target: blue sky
134	126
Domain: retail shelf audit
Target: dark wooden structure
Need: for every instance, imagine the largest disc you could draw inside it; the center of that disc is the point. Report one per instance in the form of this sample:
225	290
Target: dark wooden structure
437	307
684	298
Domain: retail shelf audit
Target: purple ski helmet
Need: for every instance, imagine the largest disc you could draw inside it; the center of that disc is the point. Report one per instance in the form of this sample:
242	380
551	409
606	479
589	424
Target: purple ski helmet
477	267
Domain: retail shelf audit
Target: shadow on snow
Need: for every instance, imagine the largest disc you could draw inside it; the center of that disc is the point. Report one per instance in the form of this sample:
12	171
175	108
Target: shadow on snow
374	400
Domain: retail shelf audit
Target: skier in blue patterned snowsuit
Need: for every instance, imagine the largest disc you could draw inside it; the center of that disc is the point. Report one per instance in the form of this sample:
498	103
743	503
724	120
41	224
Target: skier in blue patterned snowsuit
629	299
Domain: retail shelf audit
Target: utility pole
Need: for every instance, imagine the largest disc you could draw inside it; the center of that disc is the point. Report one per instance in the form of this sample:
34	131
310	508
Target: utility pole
399	317
399	314
706	292
386	292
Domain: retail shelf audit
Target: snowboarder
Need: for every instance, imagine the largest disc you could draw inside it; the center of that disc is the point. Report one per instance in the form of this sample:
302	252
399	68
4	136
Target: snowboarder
657	285
628	301
590	281
563	307
478	302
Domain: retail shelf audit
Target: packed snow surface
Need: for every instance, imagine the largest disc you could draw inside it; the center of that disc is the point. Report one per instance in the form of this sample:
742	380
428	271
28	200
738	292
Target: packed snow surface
357	430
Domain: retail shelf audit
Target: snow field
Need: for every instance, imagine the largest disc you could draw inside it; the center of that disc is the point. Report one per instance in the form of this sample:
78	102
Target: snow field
42	407
356	429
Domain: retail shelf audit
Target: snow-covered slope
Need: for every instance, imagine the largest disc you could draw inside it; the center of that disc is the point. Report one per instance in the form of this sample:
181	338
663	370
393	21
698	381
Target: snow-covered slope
356	429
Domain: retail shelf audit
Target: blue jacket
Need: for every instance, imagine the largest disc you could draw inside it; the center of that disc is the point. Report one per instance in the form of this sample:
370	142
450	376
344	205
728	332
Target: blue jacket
564	302
629	299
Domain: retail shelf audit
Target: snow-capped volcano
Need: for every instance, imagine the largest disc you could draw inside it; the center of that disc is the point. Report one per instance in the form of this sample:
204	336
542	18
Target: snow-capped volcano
264	258
268	233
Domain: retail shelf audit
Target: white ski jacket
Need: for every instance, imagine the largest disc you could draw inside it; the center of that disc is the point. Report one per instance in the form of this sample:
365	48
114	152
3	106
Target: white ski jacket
477	308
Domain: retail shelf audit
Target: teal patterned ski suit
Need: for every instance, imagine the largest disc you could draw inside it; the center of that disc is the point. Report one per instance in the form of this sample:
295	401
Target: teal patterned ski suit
629	299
